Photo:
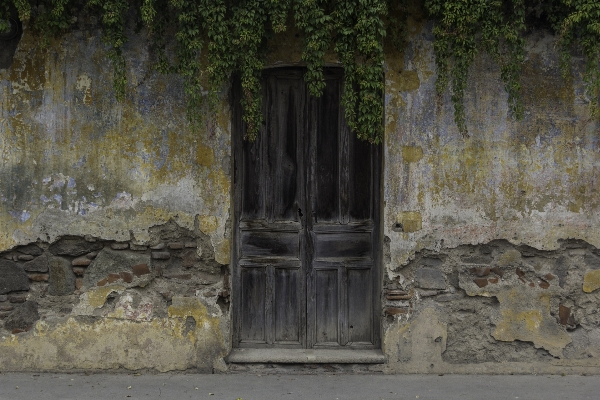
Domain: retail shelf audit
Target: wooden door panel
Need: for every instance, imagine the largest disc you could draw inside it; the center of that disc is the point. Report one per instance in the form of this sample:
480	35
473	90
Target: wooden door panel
326	307
360	180
359	289
257	243
327	177
287	287
284	122
253	193
253	312
342	245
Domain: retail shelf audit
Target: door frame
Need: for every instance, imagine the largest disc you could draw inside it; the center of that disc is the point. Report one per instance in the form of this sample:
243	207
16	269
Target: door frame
237	129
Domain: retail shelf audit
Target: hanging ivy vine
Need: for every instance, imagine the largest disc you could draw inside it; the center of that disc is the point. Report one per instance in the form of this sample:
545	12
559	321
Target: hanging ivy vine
206	41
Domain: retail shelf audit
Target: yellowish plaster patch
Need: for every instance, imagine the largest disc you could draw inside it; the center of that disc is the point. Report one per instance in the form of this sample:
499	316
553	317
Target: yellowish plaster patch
97	296
411	154
205	155
411	221
408	81
207	223
591	281
525	315
222	252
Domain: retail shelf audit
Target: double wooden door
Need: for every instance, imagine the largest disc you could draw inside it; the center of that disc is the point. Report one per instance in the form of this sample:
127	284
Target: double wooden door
306	250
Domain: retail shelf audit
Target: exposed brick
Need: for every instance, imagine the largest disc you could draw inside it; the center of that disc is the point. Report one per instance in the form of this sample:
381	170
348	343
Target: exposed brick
78	283
25	257
92	255
126	276
81	262
531	284
493	280
140	269
38	277
481	282
191	245
119	246
548	277
498	271
161	255
113	278
6	307
393	297
17	298
520	273
175	245
159	246
137	247
395	311
544	285
564	313
102	282
79	271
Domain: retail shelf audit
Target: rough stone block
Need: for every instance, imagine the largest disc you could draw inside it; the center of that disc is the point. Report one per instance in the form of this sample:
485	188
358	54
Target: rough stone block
429	278
25	257
112	261
175	245
12	277
22	317
38	264
74	246
62	278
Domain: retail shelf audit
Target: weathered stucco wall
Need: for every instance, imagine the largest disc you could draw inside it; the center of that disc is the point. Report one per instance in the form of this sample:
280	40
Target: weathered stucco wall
114	217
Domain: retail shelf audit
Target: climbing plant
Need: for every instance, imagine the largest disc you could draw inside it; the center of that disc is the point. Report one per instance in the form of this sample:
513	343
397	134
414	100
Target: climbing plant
206	41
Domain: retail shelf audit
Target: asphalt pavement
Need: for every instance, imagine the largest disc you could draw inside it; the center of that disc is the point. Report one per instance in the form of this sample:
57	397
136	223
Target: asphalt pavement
179	386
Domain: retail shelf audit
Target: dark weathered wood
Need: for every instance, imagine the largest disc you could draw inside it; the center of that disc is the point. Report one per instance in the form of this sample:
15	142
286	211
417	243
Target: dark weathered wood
306	223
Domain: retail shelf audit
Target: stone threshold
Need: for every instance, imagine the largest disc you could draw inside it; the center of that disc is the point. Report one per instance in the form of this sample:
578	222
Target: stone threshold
306	356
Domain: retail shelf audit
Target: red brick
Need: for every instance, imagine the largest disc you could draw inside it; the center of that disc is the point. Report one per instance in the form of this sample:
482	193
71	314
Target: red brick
126	276
79	271
544	285
17	298
140	269
481	282
81	262
497	271
395	311
78	283
564	313
38	277
493	280
102	282
113	278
